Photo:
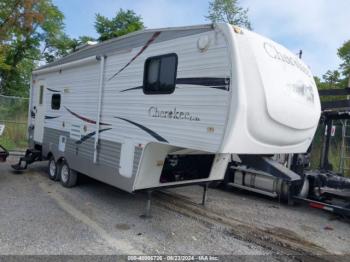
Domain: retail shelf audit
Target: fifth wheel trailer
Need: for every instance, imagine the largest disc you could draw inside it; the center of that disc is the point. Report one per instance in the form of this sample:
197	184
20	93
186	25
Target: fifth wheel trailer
168	107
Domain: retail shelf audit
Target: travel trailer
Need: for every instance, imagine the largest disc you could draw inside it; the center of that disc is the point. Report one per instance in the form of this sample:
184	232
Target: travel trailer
169	107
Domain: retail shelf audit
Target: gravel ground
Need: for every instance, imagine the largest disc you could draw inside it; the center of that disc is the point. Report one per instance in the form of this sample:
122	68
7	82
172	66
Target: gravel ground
40	217
315	226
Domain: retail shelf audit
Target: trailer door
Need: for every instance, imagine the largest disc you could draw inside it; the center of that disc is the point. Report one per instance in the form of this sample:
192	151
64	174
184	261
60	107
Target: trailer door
39	110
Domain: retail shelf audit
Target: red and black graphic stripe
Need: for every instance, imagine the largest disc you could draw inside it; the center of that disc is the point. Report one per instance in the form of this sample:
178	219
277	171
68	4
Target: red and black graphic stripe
147	130
85	119
53	90
86	137
51	117
210	82
130	89
154	37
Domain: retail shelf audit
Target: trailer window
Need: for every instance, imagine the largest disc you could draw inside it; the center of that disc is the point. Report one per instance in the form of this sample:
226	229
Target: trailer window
41	95
56	101
160	74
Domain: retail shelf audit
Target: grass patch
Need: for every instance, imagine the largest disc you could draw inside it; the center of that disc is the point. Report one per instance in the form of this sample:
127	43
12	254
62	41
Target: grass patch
13	113
14	136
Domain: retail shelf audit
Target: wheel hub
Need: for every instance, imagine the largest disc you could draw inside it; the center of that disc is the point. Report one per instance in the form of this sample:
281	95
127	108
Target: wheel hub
52	168
64	174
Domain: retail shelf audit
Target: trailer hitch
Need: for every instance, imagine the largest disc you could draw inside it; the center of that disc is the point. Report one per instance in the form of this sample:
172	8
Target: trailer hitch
31	156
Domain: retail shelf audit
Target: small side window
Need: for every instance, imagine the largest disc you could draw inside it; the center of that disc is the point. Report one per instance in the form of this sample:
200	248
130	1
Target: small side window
41	95
56	102
160	74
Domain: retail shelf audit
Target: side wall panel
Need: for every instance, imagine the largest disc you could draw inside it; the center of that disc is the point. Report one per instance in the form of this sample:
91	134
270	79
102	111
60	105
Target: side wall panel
79	157
126	110
124	101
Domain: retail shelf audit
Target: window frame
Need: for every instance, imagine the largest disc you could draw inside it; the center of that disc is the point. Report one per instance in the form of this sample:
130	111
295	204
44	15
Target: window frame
52	99
145	74
41	94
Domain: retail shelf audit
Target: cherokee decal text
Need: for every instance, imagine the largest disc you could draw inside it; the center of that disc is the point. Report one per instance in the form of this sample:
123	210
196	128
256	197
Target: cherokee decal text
171	114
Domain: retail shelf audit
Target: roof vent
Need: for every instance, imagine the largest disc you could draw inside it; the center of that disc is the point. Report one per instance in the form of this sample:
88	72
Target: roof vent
85	45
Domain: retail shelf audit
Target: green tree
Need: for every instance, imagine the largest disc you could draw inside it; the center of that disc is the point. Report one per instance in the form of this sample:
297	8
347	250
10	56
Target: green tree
319	83
228	11
344	55
30	30
3	51
82	40
123	23
332	78
57	46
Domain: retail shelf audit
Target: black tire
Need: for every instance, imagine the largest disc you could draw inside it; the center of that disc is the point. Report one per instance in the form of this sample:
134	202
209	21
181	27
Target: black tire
68	177
52	169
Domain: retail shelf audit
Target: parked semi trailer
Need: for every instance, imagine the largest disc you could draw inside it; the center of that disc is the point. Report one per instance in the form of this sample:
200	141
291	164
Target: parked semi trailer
289	177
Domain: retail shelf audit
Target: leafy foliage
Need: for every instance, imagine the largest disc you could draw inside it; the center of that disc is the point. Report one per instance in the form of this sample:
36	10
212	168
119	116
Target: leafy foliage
337	78
228	11
344	54
3	65
332	78
30	31
123	23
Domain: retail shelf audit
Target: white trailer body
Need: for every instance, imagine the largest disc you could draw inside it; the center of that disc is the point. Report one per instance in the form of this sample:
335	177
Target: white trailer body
130	111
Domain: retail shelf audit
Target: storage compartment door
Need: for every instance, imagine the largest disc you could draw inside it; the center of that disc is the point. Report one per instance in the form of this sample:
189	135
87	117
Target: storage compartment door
127	158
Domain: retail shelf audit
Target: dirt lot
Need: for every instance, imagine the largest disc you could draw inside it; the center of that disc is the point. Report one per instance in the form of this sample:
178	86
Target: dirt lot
38	216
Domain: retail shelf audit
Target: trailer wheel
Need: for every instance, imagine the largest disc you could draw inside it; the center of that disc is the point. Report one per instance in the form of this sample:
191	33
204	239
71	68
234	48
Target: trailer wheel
52	169
68	176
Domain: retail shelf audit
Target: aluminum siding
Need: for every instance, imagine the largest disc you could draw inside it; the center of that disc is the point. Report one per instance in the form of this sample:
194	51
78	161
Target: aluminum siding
79	91
80	158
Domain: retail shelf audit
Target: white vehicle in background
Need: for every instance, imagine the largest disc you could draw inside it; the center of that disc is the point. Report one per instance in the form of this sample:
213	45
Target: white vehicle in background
2	128
169	107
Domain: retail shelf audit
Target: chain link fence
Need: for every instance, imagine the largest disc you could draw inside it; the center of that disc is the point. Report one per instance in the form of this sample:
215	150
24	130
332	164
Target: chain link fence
14	116
337	154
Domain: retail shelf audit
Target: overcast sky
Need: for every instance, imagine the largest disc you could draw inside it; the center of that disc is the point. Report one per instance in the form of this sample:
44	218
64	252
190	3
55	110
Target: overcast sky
318	27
